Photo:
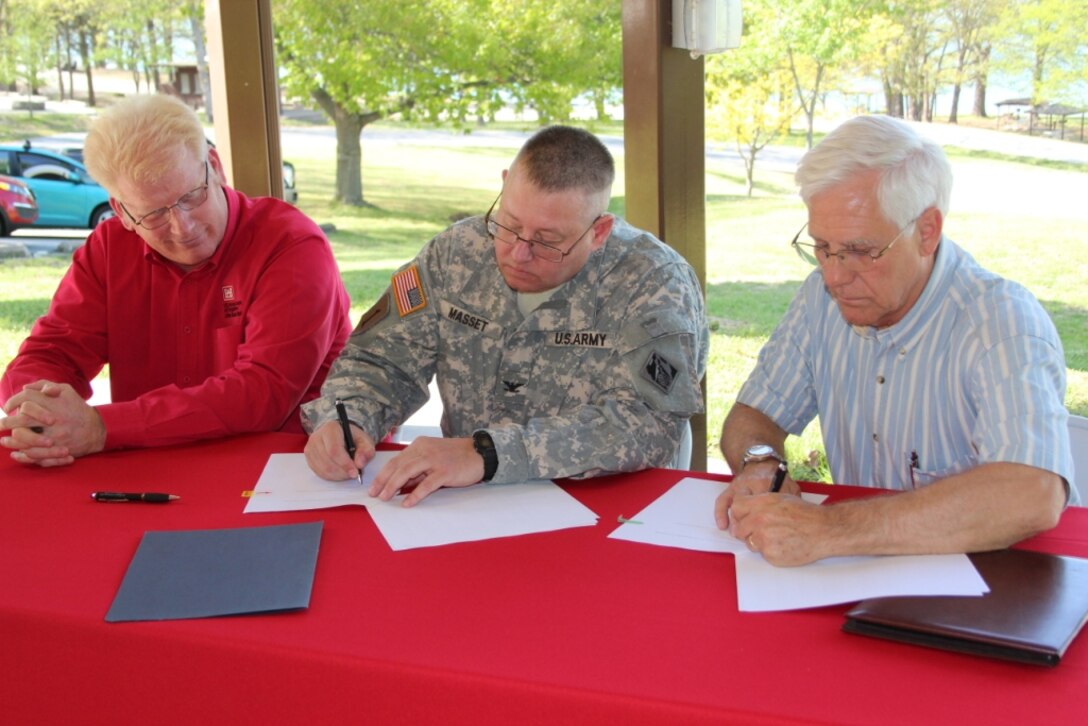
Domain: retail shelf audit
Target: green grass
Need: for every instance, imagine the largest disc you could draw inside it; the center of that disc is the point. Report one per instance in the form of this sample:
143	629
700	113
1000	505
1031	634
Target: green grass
18	125
415	189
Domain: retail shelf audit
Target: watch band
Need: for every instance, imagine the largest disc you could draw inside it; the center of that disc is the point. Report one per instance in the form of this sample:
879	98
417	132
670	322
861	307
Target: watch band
761	452
485	447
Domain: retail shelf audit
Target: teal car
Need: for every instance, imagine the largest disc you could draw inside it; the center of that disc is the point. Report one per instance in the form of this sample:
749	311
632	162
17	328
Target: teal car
67	196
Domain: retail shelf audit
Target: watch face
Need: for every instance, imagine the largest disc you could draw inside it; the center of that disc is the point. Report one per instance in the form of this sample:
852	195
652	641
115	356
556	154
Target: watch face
761	450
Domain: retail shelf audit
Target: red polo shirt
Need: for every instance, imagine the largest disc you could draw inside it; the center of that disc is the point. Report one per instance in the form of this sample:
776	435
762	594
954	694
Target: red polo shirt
232	347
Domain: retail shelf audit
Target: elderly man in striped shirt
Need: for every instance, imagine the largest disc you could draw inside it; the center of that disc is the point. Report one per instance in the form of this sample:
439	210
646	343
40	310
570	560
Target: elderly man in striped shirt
930	375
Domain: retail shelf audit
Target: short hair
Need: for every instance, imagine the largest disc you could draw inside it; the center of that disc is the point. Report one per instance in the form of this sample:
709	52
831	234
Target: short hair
558	158
914	171
137	138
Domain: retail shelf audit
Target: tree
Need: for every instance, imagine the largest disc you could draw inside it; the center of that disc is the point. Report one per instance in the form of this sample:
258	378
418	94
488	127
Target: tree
750	89
140	40
1050	38
554	52
28	43
454	61
363	61
912	46
821	36
193	13
970	22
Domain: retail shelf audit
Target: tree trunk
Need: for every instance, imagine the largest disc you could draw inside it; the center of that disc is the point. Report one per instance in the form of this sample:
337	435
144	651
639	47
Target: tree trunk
197	27
349	148
748	154
85	55
154	79
60	69
980	82
71	67
953	115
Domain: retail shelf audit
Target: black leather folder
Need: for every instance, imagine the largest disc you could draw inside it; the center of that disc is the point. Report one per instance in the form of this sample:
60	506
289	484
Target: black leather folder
1036	605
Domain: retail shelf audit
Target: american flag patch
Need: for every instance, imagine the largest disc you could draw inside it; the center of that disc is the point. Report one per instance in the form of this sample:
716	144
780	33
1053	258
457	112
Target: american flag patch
408	291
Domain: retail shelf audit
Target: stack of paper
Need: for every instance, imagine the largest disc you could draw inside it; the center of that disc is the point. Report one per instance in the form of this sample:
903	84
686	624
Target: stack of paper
483	511
684	517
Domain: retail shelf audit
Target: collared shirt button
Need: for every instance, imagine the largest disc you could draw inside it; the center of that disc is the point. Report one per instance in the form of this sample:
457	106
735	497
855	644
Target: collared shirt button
876	438
880	379
187	330
902	352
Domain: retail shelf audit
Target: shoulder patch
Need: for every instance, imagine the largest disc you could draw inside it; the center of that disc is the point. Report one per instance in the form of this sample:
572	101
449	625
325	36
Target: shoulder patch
659	371
374	315
408	291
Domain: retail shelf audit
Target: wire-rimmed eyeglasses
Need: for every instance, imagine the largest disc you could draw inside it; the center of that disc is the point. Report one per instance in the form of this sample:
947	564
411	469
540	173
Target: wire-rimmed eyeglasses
852	258
543	250
187	202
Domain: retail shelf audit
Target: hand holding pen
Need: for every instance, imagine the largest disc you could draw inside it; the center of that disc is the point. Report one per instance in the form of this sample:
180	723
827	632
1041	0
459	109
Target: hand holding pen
349	440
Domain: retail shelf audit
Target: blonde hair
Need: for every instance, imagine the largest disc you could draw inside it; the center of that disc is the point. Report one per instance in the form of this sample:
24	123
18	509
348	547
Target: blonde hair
137	139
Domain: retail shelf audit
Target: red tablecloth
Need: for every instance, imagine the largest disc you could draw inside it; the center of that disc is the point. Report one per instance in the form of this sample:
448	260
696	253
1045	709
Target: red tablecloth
555	627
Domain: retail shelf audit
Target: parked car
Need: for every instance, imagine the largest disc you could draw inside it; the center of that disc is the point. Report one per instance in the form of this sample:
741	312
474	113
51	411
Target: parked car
289	192
67	196
18	208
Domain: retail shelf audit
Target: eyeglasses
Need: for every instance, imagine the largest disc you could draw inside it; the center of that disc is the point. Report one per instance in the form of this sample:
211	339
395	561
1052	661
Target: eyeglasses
539	249
186	202
852	258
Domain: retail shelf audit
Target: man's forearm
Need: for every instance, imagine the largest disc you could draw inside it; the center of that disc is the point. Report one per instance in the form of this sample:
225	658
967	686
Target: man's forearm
745	426
989	507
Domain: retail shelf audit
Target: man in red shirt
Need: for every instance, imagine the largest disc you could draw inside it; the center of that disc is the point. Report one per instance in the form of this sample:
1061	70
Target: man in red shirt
218	314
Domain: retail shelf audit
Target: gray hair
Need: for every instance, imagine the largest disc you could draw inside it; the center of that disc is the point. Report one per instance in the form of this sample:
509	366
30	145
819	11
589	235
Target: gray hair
914	171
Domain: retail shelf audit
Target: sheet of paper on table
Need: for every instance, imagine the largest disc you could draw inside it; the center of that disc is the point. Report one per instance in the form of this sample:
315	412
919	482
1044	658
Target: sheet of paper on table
684	517
483	511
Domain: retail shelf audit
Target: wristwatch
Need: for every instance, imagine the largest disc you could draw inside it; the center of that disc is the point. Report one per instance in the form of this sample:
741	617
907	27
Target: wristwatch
761	452
485	447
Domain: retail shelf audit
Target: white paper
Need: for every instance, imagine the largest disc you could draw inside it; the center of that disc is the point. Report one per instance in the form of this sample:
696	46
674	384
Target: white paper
483	511
761	586
684	517
287	484
463	514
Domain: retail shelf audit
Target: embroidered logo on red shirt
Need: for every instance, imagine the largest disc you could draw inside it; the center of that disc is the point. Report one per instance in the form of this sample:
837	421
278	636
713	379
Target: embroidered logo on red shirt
408	291
228	292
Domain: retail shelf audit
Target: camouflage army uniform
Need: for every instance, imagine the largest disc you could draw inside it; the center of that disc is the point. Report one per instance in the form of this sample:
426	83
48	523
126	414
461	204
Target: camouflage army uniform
599	378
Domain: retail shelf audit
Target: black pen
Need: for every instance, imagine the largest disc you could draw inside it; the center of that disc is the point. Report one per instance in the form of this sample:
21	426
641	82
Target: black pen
151	497
779	477
345	426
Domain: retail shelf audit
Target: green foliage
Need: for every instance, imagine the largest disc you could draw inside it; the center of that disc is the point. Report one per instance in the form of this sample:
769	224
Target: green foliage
452	61
749	89
26	43
1050	39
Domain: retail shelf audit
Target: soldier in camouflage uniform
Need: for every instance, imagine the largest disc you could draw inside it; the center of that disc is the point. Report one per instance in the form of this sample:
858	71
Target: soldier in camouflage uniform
557	354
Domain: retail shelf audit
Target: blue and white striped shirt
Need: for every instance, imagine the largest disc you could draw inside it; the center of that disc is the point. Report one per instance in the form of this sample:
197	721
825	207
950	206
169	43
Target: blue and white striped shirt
973	374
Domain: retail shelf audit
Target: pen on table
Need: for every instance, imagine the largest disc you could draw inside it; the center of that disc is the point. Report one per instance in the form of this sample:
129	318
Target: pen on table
345	426
779	477
151	497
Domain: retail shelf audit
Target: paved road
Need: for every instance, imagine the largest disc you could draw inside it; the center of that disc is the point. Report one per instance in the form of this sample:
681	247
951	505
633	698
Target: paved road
972	192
